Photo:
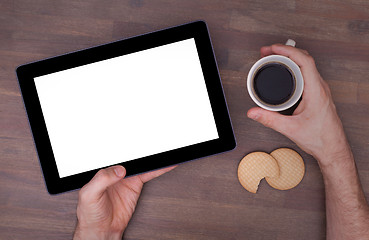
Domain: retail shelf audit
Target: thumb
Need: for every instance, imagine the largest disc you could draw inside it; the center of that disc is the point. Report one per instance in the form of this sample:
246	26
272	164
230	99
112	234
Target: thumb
270	119
102	180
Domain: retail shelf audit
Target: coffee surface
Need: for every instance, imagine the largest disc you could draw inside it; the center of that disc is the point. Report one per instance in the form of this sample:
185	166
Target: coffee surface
274	83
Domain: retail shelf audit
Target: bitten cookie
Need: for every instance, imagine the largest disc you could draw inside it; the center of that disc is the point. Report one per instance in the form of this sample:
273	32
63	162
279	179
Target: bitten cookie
254	167
291	169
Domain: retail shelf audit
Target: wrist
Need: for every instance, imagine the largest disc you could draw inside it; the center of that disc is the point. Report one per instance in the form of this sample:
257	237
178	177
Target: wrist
332	162
93	233
335	151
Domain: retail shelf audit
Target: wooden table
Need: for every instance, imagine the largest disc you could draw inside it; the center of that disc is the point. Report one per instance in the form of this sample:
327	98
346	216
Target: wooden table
201	199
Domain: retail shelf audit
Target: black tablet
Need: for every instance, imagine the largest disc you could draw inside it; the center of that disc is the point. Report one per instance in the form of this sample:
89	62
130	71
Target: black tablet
145	103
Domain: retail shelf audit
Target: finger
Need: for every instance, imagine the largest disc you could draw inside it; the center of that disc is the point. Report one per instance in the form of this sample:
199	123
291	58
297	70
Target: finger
305	52
297	55
266	51
145	177
102	180
301	58
273	120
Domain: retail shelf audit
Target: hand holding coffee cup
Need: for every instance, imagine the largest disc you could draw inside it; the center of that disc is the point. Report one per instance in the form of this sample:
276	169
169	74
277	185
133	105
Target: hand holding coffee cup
275	82
315	126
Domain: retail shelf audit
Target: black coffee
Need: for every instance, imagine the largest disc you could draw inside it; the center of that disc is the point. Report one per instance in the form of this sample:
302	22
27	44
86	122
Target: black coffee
274	83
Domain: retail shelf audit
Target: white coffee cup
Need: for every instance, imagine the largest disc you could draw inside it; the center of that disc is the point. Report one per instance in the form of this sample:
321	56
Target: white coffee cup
292	67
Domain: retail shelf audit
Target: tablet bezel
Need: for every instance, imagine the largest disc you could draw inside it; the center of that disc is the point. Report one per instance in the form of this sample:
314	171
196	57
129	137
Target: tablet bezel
197	30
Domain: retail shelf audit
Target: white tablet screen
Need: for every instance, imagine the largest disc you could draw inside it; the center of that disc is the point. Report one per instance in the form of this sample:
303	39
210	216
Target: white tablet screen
126	107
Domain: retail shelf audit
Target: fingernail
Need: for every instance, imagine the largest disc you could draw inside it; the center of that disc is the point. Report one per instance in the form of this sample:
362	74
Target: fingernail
253	115
119	171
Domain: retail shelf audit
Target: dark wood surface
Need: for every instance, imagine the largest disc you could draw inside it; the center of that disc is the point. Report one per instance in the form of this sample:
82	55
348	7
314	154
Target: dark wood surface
201	199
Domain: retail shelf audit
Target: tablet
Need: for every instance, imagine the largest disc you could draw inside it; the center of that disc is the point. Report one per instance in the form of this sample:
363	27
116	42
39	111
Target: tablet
145	103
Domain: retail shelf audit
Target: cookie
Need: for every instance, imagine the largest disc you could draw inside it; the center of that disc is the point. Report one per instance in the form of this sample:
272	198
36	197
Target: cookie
254	167
291	169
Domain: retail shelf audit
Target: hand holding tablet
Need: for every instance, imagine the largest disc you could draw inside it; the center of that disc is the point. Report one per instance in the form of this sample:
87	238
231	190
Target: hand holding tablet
146	103
107	190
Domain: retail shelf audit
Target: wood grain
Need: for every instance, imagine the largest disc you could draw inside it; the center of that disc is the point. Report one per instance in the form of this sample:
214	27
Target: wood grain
201	199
